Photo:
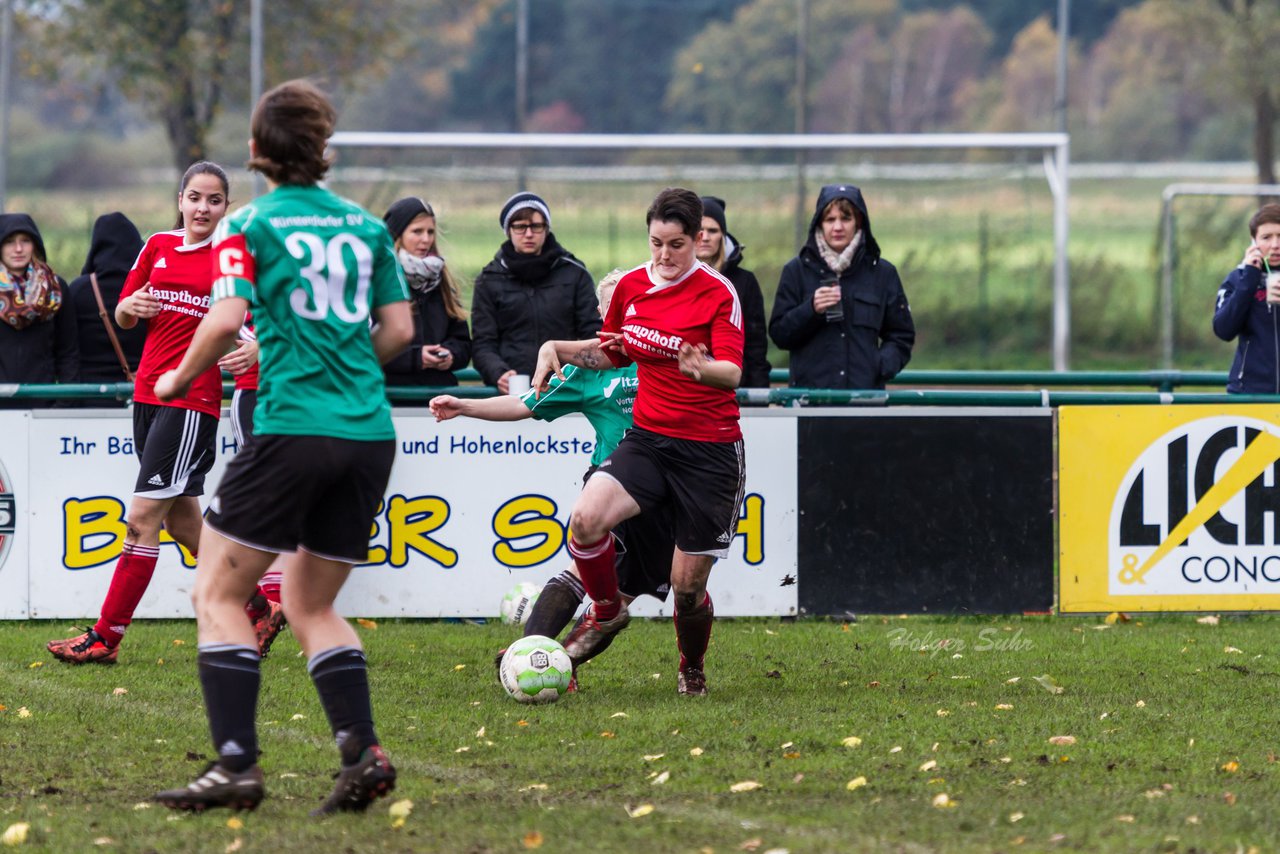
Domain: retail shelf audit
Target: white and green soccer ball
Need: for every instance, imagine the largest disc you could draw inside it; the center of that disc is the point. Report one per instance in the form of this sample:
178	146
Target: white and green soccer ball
518	602
536	669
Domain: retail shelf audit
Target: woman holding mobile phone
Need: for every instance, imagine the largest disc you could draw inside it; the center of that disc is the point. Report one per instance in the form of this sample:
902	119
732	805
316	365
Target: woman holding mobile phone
441	341
1246	309
840	308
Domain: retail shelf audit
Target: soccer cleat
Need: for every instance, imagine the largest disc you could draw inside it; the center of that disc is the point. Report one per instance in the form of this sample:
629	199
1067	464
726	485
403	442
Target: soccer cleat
691	682
590	636
361	784
217	787
84	649
269	625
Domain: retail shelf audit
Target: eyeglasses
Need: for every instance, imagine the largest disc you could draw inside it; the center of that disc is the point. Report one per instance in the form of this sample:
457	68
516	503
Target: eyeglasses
532	227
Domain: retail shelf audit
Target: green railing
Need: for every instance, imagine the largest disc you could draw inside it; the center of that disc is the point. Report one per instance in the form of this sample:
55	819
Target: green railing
912	388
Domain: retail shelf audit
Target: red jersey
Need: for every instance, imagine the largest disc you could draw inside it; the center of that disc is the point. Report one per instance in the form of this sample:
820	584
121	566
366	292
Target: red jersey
248	381
181	277
655	318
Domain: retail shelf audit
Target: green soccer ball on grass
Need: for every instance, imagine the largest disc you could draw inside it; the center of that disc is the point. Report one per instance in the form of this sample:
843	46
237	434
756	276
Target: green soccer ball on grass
536	669
518	602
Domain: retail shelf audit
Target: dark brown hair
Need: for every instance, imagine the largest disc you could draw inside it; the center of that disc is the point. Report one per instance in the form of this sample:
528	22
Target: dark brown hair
678	205
203	167
1266	215
291	125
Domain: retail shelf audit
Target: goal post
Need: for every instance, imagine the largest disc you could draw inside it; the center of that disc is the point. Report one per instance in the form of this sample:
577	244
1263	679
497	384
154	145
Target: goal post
1054	147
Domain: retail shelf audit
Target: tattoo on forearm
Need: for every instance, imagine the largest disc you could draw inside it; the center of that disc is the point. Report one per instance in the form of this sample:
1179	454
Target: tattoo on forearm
589	357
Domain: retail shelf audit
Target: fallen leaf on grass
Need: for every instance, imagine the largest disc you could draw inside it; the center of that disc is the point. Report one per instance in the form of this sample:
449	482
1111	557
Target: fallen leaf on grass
298	717
104	840
1210	620
751	844
942	713
235	823
1062	739
1127	819
1141	704
1013	680
640	811
120	692
33	665
367	624
1193	819
1047	682
533	787
661	778
533	839
179	642
852	741
458	667
400	812
943	801
895	749
856	783
1152	794
1015	817
24	712
607	734
695	751
522	723
1116	617
1231	767
929	766
16	834
1003	707
653	757
1229	798
618	715
745	786
234	845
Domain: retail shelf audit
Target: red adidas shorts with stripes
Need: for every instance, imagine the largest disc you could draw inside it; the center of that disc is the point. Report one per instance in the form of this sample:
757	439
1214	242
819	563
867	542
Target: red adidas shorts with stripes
176	449
698	484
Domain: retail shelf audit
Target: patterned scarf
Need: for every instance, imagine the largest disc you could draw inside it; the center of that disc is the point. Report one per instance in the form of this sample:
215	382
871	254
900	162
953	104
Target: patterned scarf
838	261
32	298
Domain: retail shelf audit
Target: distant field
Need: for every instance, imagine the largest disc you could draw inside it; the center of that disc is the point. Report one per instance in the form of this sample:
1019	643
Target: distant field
975	257
913	734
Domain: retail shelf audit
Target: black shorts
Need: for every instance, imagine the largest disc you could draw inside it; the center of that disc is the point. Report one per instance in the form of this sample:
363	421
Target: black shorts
643	545
175	447
243	400
318	493
699	484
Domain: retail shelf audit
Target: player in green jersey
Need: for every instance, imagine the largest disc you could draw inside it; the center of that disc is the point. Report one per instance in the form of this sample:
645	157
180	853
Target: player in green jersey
315	269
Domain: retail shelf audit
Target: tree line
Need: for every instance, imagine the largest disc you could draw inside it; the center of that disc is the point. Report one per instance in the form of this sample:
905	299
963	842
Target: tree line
1149	79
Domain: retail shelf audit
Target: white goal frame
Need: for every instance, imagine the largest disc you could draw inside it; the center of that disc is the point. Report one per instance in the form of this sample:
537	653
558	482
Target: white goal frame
1055	148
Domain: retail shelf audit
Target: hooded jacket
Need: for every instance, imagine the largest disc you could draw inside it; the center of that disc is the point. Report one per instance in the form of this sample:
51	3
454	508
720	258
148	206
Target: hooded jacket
113	248
1243	313
872	343
43	352
755	338
512	317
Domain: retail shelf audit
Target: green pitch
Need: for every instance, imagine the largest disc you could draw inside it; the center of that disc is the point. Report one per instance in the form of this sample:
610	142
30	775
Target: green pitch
920	734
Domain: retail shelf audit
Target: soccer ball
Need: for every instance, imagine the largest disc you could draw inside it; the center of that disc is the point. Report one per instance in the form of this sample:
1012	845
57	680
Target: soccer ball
518	602
536	669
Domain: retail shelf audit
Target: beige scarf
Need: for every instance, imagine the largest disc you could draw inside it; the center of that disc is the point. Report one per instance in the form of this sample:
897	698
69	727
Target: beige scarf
838	261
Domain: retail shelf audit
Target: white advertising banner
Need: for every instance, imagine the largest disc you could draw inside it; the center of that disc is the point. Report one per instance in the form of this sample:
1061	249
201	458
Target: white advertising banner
472	508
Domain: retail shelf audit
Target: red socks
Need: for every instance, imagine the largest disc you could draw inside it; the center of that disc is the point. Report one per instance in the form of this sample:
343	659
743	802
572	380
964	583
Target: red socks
128	584
693	633
599	576
269	586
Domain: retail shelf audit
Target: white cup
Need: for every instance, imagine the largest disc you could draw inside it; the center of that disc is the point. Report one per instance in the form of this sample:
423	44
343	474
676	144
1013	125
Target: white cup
517	384
1273	287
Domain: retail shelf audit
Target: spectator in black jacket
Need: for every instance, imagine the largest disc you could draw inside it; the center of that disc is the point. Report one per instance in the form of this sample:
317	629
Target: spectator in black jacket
840	307
37	332
720	250
113	248
533	291
441	343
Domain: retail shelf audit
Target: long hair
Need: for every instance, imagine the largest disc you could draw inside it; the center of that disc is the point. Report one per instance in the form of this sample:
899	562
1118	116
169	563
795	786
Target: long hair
449	290
291	126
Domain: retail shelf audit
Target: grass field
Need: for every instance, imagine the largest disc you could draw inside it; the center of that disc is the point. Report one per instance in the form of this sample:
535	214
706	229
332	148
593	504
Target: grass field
1172	720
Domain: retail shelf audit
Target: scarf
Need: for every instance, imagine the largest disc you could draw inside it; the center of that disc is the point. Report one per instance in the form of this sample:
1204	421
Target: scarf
838	261
32	298
422	274
531	268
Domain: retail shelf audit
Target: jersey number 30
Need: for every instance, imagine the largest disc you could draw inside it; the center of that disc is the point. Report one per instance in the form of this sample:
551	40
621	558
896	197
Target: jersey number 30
333	288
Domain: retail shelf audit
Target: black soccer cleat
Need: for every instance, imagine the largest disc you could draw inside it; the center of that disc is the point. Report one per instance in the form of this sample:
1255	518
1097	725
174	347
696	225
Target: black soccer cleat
361	784
217	787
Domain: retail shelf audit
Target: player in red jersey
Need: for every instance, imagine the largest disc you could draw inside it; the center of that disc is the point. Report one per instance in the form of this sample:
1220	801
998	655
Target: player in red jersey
681	323
169	288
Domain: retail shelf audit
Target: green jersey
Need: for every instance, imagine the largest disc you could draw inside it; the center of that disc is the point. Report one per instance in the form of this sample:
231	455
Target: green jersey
312	266
604	397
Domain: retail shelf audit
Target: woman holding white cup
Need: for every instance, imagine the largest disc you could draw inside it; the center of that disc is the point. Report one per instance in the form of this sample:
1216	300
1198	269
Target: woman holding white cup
1248	308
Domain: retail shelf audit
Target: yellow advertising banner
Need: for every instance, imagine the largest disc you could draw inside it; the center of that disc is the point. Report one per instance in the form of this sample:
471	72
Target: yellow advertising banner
1169	508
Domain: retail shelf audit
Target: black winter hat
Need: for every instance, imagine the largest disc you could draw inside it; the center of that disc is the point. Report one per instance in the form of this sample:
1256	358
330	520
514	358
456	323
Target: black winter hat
403	212
520	202
713	206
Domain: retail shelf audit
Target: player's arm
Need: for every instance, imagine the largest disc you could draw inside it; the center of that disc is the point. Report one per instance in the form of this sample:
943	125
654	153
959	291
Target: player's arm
697	364
393	329
590	353
214	336
502	408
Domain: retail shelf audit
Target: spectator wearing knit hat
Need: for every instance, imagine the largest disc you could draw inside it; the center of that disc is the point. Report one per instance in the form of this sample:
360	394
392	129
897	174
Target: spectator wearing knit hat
533	290
720	250
441	342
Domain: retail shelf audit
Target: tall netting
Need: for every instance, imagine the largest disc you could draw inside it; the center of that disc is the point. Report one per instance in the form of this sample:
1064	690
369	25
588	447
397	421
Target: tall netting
971	228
